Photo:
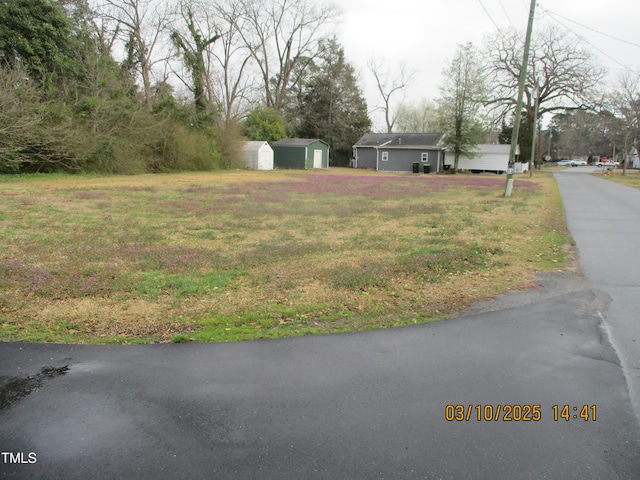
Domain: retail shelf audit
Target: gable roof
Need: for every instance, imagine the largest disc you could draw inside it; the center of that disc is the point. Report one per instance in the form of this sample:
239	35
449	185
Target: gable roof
254	146
296	142
400	140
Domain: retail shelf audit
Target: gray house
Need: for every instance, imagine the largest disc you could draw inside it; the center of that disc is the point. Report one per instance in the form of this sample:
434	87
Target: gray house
300	153
398	152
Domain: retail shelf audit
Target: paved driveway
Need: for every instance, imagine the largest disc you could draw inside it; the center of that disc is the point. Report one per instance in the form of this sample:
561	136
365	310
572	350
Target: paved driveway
481	396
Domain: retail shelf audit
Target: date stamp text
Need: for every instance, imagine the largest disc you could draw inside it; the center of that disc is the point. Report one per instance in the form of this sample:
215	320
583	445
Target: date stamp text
517	413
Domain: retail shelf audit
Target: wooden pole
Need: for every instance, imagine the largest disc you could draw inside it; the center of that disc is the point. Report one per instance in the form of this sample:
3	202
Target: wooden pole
535	130
518	115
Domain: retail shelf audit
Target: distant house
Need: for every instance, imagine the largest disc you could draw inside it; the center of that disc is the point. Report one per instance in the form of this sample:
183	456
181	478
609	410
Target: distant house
493	158
300	153
257	156
397	152
634	162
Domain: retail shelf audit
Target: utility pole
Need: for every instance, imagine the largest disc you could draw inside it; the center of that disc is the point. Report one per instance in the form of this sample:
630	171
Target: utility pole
536	100
518	115
626	153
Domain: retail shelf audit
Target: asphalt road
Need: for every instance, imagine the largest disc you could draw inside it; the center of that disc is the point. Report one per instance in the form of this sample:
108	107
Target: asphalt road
604	220
371	405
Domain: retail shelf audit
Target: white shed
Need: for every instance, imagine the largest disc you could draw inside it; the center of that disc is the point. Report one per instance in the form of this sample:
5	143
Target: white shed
489	158
258	155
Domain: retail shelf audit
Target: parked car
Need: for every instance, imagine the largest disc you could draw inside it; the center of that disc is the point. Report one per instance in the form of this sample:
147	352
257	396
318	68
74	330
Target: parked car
576	162
607	163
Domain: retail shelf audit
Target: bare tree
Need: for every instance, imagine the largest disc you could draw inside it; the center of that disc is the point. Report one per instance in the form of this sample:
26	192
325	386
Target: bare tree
142	25
388	85
417	118
560	65
229	86
627	103
283	37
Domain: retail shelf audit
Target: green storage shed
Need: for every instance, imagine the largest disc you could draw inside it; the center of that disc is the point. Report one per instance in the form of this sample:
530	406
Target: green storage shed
300	153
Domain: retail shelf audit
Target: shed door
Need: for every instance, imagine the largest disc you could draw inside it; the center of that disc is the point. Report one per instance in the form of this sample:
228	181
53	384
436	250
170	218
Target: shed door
317	159
265	160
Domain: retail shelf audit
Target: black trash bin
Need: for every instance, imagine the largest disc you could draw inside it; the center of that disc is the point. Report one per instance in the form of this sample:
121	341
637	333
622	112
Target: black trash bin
416	167
426	167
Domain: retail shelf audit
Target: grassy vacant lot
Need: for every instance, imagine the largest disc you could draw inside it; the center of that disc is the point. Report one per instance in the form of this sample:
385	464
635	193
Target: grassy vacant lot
632	178
242	255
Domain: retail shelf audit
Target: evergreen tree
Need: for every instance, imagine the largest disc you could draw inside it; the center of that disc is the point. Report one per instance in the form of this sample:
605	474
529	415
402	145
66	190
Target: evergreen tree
331	106
525	136
36	34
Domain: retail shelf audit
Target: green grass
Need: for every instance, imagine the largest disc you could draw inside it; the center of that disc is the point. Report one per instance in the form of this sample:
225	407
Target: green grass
551	252
156	283
242	255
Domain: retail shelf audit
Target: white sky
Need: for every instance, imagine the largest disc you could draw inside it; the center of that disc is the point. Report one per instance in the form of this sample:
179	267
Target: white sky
424	34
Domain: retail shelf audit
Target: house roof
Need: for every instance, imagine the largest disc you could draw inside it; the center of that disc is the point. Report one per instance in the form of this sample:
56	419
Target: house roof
254	146
296	142
493	148
400	140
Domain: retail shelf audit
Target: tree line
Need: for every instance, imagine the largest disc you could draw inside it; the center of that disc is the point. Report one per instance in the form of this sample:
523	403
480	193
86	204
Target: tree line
131	86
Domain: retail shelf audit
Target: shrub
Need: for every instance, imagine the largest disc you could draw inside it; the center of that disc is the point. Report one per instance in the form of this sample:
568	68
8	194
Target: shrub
265	124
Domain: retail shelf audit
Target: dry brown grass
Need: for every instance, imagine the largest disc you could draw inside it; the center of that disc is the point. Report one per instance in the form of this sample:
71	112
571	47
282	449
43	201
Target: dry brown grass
631	178
234	255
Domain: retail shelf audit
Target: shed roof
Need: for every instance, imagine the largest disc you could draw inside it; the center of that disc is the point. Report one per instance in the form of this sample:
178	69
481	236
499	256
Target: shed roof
296	142
400	140
254	146
495	148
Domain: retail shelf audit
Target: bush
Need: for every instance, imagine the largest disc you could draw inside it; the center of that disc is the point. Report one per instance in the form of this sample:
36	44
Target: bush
228	144
265	124
21	118
105	133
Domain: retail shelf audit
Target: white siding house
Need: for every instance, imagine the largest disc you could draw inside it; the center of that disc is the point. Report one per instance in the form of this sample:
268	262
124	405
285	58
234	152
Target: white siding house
257	156
634	162
490	158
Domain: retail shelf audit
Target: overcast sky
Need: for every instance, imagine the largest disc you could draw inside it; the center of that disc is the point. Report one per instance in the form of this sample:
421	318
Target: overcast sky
424	33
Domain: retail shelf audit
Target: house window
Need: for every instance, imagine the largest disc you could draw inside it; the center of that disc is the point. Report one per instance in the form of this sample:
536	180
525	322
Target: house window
385	156
425	157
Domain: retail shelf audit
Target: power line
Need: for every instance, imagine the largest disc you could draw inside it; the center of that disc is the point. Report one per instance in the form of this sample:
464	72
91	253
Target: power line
551	15
505	12
489	15
590	28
